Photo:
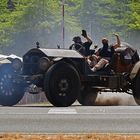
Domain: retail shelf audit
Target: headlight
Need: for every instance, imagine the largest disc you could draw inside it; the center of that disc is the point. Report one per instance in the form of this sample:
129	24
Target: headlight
44	63
17	64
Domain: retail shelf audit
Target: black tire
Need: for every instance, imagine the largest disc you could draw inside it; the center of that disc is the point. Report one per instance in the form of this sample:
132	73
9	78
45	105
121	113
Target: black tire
87	96
62	84
136	88
11	92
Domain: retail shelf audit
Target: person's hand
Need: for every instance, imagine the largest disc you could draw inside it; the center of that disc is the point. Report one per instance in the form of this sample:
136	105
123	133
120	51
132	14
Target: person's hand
115	34
84	33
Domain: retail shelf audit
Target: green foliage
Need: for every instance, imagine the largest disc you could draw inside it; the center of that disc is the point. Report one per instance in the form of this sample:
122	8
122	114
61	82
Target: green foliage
33	21
134	21
41	20
102	18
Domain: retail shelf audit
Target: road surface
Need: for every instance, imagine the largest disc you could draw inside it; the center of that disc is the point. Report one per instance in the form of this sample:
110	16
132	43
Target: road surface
74	119
120	114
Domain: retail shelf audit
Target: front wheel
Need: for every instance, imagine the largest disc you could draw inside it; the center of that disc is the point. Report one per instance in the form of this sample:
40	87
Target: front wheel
136	88
62	84
11	92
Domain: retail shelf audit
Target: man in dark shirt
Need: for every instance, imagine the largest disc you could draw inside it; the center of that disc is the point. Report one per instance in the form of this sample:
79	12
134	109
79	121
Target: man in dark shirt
105	54
82	47
107	51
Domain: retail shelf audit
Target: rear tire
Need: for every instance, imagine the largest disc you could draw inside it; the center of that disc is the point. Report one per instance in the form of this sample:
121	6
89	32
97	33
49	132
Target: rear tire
62	84
87	96
136	88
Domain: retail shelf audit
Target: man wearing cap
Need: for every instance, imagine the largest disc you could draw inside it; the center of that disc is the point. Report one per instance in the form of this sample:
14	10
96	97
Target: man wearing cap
82	47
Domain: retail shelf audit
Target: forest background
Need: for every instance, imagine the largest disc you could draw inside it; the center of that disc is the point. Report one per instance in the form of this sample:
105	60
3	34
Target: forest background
24	22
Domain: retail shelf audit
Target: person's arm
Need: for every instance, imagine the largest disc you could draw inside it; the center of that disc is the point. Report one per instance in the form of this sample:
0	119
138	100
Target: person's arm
88	39
84	34
117	45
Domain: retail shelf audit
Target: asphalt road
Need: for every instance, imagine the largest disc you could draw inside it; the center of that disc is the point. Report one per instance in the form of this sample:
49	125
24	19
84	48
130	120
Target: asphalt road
74	119
120	114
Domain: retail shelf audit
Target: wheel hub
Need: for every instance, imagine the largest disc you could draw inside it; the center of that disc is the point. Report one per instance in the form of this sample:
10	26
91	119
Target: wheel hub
63	85
6	85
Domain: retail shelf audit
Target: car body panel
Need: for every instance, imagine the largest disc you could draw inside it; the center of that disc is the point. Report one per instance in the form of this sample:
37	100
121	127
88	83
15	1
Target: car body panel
6	59
57	53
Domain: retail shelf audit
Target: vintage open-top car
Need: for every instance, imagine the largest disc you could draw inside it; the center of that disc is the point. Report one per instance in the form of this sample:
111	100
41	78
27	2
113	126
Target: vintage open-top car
65	76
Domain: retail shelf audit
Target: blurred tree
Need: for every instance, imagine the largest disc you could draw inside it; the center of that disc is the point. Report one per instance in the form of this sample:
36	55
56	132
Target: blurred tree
35	20
40	21
10	5
102	18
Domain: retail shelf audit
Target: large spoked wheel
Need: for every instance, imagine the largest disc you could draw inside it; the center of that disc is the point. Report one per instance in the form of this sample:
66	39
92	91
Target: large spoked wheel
62	84
87	96
136	88
11	92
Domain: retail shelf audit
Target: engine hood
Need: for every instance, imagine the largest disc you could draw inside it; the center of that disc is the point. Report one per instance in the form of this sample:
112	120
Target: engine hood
56	53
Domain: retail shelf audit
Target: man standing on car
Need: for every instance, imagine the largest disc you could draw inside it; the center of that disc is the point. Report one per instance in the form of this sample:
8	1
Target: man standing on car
82	47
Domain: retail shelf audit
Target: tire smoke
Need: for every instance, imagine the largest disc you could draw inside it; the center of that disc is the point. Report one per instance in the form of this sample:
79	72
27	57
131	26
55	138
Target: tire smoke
108	99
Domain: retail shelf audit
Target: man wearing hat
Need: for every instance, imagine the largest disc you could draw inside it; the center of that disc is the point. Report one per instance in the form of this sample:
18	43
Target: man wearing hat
82	47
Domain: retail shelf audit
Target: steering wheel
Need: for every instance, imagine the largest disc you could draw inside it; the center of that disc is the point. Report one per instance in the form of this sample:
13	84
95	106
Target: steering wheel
78	47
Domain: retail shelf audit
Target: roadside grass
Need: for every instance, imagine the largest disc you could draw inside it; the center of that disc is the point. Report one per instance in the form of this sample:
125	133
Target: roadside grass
93	136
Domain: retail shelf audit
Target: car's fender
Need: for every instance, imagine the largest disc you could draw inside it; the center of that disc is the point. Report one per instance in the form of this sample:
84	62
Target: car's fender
135	70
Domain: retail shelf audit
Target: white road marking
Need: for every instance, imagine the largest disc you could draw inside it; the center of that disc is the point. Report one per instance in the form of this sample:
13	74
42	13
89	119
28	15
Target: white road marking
62	111
70	113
